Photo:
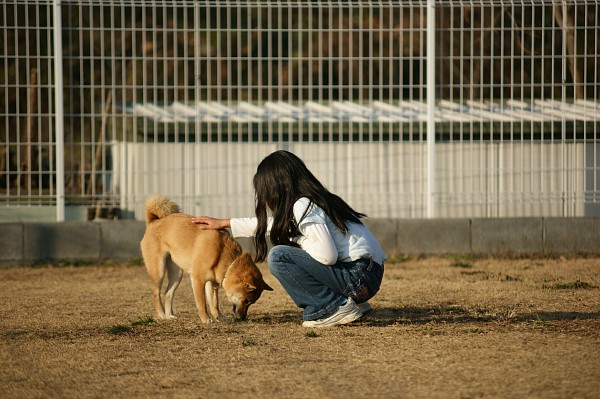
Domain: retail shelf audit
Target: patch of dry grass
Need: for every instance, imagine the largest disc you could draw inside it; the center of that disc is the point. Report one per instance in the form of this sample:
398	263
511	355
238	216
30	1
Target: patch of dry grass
521	328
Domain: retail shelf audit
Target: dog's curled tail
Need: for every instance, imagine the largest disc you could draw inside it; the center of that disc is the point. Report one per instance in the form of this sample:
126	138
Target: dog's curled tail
158	206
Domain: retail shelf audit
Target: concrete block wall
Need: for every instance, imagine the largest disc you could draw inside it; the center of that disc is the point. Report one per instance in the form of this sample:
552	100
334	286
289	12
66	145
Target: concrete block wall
28	243
507	236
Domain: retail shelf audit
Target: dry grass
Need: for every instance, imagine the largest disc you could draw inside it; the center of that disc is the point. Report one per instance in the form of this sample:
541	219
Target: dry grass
442	328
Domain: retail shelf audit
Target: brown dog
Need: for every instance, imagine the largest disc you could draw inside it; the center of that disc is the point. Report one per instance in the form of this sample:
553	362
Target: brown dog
172	244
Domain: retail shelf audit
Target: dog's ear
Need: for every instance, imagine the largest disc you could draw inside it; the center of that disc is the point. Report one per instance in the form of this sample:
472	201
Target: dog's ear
249	287
266	287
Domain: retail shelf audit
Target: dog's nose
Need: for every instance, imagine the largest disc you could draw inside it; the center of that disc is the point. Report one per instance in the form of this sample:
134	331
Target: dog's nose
240	315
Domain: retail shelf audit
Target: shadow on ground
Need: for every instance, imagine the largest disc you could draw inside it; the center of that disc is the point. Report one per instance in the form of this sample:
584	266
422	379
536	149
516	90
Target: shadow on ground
382	317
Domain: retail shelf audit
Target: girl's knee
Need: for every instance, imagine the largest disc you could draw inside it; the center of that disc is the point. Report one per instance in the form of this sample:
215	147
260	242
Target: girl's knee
276	256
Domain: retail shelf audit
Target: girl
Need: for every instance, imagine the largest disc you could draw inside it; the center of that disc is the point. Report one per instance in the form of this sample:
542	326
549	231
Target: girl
325	258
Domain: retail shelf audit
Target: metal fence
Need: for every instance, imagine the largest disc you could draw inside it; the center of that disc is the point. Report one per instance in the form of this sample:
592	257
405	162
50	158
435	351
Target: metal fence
407	109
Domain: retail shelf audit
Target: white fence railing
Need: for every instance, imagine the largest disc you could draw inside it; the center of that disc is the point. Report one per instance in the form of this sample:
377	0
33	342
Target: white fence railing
407	109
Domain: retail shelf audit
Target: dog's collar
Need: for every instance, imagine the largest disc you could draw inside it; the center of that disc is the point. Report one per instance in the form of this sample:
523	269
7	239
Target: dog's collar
225	275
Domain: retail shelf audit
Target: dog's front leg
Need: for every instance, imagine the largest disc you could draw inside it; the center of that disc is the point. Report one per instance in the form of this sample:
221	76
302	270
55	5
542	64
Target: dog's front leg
212	297
198	284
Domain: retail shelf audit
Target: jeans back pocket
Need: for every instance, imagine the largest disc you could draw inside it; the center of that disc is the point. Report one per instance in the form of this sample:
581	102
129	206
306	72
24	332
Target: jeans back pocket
368	282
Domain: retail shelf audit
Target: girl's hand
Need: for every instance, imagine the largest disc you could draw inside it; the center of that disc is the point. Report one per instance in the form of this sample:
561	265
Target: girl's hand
208	223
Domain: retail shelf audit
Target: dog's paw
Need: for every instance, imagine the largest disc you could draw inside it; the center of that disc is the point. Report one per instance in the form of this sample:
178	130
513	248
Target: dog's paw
166	316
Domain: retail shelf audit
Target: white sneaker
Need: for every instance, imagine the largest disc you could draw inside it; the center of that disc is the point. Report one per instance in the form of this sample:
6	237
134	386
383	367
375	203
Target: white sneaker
345	314
364	307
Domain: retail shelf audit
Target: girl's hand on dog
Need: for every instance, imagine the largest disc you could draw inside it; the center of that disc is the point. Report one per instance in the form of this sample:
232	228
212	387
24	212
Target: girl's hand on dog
208	223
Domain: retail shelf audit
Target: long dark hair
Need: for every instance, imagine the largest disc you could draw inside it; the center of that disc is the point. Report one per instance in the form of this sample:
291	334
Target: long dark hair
280	180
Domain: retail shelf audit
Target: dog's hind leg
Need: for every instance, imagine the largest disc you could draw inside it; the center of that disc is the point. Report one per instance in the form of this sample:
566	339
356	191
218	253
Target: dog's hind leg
198	285
156	271
174	275
212	297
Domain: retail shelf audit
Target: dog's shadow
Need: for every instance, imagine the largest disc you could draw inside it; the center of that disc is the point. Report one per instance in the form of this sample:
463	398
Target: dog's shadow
388	316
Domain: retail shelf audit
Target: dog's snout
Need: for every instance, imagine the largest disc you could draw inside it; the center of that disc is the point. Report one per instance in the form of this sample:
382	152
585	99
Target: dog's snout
240	311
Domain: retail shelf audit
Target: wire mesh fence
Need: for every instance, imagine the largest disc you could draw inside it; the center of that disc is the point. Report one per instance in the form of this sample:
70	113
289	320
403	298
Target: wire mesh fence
185	98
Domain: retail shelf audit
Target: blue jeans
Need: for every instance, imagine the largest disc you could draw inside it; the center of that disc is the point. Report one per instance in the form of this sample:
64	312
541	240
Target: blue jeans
319	289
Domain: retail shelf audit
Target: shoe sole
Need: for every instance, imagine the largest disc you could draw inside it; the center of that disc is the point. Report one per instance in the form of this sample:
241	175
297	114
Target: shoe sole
349	318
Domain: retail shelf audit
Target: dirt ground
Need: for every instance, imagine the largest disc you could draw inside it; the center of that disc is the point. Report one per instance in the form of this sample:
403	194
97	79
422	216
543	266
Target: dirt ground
443	327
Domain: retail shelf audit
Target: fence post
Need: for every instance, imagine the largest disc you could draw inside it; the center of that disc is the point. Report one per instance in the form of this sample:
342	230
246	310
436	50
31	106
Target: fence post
431	109
59	114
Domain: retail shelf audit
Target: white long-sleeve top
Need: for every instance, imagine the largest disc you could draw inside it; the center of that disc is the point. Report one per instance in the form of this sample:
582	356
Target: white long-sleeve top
320	237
